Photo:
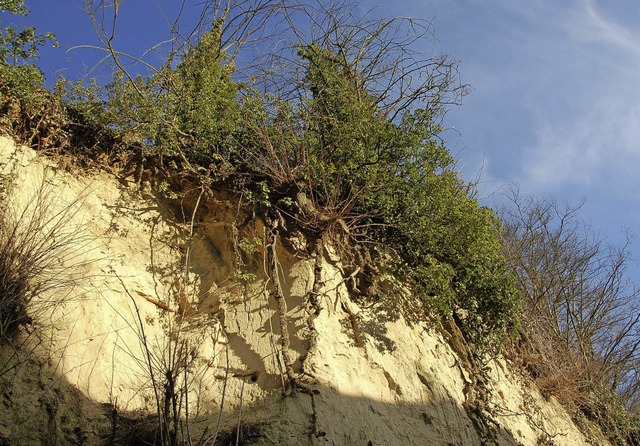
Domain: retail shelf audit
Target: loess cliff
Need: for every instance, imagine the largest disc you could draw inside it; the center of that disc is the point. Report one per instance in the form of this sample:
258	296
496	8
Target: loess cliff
182	318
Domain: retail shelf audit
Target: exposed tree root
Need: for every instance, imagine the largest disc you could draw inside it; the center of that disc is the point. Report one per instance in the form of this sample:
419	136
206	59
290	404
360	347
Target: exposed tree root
476	392
291	378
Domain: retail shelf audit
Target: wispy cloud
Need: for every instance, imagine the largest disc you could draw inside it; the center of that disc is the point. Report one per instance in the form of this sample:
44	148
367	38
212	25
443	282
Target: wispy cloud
590	25
585	114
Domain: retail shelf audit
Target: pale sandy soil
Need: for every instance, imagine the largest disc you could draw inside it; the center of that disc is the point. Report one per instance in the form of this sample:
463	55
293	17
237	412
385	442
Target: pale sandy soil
109	337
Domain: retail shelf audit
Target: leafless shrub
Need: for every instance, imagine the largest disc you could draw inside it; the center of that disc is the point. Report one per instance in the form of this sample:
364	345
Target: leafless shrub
582	335
171	360
42	247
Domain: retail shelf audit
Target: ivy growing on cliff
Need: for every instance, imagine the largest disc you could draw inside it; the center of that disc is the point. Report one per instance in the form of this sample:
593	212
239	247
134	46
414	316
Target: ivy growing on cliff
340	124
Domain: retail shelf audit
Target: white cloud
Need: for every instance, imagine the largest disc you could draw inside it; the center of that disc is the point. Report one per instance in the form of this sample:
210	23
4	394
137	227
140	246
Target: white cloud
586	110
590	25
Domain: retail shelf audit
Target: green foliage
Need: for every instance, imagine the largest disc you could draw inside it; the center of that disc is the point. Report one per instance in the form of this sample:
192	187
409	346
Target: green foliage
21	83
188	112
123	108
19	49
27	110
18	46
250	246
450	246
395	182
14	7
202	98
621	426
350	142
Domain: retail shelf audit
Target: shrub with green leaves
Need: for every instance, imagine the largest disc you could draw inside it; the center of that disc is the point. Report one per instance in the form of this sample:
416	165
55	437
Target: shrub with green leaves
392	182
344	137
27	110
203	101
349	140
188	112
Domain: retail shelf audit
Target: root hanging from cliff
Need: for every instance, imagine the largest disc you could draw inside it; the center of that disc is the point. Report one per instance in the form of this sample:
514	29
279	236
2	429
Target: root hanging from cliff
291	381
476	391
272	263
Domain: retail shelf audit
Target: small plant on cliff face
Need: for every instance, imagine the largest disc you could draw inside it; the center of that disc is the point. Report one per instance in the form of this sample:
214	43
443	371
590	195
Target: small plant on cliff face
250	246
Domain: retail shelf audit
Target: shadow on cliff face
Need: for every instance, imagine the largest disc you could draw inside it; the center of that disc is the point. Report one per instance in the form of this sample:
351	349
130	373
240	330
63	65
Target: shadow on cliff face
40	407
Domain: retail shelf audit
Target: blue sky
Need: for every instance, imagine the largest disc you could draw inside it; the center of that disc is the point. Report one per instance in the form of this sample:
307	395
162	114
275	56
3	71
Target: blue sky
555	106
